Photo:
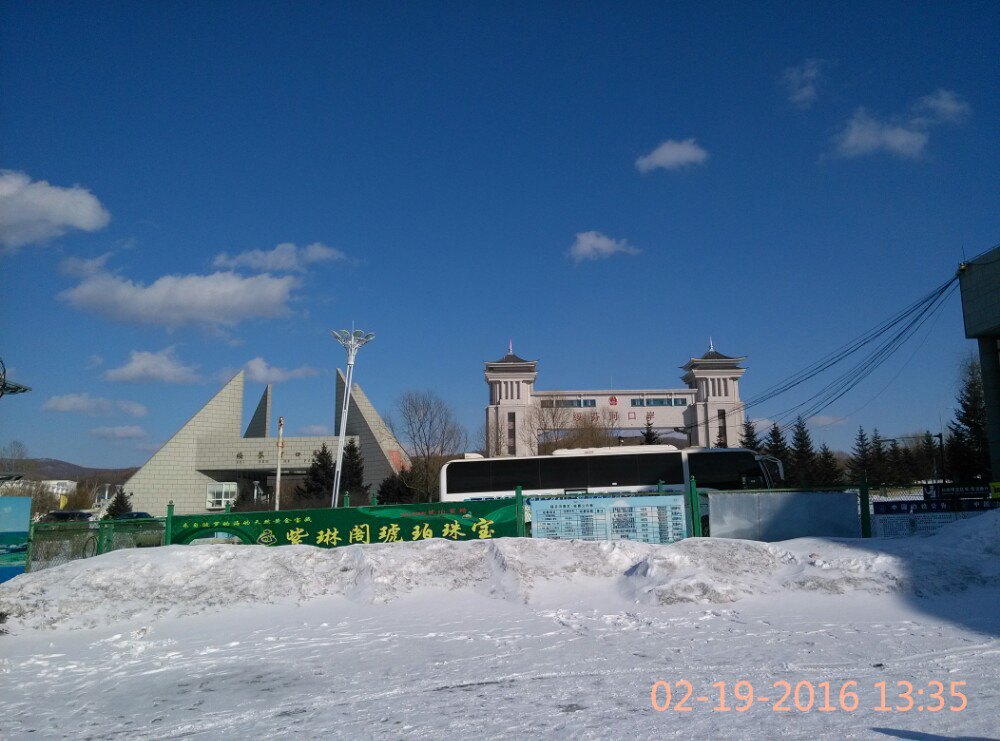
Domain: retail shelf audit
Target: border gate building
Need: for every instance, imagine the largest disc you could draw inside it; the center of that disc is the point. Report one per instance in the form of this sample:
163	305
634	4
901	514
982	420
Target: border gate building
706	410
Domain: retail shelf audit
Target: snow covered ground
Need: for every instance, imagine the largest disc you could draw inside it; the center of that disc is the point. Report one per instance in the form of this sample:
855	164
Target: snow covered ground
497	638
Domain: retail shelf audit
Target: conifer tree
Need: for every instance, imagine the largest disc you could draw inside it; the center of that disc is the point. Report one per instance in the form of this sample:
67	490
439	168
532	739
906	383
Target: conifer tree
118	506
803	455
720	439
353	477
776	447
857	467
928	458
967	446
318	483
649	435
828	471
748	437
908	465
394	490
878	462
895	470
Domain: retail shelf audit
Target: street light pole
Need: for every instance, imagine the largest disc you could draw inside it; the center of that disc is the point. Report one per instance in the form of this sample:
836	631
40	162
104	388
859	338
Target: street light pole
281	451
351	340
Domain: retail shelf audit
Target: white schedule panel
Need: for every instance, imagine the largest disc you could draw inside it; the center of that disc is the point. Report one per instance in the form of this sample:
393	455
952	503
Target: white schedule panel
646	519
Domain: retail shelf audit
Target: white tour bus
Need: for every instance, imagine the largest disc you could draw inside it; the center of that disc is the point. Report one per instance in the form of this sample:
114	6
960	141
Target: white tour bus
631	469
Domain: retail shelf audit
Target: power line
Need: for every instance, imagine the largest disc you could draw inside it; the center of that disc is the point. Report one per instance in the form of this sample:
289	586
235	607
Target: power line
887	336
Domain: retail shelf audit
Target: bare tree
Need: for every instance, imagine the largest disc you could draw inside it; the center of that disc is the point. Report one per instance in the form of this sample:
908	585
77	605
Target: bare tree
42	500
14	459
428	427
545	427
592	429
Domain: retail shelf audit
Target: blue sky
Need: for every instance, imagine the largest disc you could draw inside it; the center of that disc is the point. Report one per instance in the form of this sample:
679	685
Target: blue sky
192	187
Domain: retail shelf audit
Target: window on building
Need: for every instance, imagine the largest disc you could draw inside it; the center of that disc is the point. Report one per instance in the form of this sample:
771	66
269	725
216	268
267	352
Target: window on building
588	402
220	493
680	402
547	404
659	402
723	436
511	433
637	402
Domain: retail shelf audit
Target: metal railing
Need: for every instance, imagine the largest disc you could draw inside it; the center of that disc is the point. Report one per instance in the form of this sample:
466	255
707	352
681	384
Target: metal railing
53	544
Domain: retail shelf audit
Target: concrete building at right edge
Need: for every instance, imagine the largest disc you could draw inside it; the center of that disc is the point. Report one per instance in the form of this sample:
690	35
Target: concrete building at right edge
980	282
708	410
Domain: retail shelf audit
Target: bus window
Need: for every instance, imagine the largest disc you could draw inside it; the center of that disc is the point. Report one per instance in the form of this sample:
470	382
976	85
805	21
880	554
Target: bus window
510	473
613	470
726	470
559	472
665	467
469	477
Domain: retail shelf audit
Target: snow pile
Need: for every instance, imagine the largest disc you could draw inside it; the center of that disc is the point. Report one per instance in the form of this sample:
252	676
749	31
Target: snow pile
186	580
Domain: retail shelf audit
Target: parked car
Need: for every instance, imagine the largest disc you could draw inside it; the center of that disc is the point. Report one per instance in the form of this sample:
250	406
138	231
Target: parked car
135	516
66	515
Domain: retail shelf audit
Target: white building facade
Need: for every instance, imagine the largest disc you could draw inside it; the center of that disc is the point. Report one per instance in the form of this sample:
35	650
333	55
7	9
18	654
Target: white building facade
708	410
208	462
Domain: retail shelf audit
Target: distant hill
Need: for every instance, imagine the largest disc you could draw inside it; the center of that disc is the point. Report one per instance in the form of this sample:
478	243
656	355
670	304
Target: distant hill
41	469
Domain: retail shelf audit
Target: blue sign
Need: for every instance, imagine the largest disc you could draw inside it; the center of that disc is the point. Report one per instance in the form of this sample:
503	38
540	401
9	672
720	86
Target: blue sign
15	518
646	519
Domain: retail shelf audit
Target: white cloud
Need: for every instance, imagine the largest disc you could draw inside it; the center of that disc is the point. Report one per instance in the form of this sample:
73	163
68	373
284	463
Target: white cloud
315	430
35	211
132	407
942	106
285	258
597	246
94	361
82	403
122	432
672	155
825	420
259	371
150	367
865	135
87	404
80	267
801	82
175	300
903	136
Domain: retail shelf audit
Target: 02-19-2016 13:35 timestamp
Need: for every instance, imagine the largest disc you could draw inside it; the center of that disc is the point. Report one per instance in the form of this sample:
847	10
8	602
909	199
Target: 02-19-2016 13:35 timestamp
804	696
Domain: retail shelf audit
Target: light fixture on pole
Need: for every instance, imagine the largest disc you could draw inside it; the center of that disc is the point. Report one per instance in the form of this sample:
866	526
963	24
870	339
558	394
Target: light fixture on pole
351	340
281	452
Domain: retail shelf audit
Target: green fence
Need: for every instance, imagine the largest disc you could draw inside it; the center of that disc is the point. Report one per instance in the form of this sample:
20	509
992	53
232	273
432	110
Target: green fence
329	528
52	544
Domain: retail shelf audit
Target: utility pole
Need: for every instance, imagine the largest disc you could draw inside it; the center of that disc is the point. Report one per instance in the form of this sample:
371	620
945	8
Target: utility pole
281	452
351	341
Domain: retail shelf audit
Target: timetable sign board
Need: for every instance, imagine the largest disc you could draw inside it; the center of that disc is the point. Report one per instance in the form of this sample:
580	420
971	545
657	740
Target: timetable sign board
645	519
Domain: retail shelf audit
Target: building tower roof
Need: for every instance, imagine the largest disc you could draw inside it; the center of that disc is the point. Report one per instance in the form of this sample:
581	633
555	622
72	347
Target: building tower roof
510	357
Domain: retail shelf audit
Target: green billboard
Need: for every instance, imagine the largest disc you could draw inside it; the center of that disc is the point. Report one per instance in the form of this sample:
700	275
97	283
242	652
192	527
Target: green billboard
330	528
